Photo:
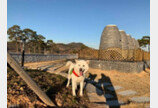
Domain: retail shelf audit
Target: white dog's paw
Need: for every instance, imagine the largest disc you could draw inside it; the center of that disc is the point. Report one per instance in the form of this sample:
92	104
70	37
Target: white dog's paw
74	94
81	95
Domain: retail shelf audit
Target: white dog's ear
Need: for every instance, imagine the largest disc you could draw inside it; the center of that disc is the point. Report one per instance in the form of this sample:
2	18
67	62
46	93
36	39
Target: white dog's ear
76	60
87	61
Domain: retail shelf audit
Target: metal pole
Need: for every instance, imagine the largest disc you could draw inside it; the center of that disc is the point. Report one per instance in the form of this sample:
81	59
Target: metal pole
23	54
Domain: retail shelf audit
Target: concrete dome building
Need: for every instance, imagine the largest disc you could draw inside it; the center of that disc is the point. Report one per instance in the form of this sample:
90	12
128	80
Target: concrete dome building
137	44
110	38
130	42
124	40
134	43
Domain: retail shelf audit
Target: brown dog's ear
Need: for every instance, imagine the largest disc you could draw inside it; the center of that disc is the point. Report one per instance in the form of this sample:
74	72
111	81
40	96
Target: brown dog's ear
87	61
76	60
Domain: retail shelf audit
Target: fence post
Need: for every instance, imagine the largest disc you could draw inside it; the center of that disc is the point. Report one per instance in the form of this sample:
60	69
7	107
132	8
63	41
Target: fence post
14	64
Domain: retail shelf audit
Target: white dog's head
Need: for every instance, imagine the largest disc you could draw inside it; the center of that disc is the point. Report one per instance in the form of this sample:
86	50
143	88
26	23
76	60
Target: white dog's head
81	67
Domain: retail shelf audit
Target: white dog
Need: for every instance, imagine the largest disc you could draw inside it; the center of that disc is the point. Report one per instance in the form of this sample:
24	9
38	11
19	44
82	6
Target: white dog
77	74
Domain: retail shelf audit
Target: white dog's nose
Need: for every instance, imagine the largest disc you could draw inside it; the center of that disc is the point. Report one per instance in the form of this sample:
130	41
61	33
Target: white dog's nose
82	70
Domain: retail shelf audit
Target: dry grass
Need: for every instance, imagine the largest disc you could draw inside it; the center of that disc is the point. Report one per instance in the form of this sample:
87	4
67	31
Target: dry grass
54	85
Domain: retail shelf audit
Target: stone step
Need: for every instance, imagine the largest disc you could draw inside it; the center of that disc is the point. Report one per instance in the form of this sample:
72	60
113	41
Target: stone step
114	88
115	103
93	97
92	89
127	92
105	84
101	99
108	96
140	99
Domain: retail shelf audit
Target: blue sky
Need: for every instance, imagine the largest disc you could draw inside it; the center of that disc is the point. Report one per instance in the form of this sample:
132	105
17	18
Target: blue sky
66	21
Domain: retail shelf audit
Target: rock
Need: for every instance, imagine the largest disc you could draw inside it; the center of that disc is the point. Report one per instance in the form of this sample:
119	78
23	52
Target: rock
140	99
99	92
108	96
115	103
99	85
92	89
103	84
127	93
114	88
106	84
93	97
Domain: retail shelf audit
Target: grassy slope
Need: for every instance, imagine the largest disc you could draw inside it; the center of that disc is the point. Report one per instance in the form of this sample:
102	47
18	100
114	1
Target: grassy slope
54	86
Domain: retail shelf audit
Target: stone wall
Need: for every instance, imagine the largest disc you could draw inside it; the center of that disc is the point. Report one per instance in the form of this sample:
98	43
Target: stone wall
42	57
119	66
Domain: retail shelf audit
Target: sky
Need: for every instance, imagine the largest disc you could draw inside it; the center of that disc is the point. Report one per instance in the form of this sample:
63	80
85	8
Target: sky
66	21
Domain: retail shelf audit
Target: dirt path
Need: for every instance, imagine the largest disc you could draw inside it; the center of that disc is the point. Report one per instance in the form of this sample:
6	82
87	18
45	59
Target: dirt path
138	82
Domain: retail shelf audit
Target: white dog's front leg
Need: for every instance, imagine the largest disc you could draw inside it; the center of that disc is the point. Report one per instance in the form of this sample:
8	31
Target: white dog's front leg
81	88
68	82
73	88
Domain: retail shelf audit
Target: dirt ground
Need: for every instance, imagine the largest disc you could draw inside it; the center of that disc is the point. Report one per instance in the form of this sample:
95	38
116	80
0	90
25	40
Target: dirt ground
34	65
139	82
19	95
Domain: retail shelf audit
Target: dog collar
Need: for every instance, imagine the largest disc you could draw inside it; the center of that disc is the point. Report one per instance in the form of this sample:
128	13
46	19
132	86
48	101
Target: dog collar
75	73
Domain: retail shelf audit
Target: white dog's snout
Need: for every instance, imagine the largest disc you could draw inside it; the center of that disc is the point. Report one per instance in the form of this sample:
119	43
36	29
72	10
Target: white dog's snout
82	70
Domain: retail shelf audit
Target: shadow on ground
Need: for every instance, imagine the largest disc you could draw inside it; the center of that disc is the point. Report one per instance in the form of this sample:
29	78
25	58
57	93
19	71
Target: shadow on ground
106	91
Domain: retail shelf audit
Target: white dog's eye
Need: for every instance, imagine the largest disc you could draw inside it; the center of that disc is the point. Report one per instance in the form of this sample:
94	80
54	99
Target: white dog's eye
83	65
